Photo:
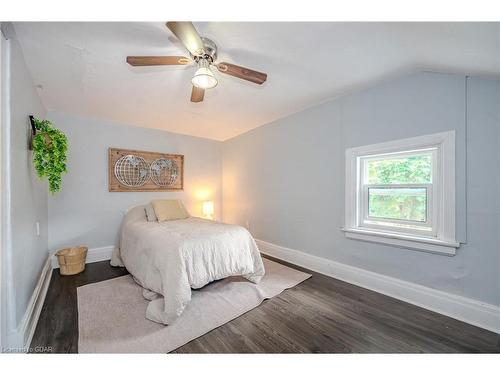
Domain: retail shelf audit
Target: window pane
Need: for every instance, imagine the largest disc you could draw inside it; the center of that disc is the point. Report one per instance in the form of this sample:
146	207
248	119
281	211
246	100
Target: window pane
414	169
398	203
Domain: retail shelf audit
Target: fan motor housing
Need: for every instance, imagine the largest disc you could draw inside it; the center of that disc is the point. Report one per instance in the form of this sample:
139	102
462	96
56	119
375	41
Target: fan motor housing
209	50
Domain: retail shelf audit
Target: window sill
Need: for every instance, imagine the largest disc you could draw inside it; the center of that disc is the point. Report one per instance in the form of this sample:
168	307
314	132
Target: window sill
429	245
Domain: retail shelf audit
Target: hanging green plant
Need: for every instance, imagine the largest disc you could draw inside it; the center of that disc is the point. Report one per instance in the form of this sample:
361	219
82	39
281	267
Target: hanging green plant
50	147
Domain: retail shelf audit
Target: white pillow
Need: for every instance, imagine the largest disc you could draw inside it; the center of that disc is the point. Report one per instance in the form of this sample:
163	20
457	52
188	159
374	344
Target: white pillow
150	213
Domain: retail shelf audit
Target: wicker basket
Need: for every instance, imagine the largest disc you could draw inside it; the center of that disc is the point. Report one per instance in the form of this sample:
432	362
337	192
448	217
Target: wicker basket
72	260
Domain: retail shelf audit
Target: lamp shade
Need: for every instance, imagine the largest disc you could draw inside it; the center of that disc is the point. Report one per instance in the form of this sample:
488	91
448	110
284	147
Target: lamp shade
204	78
208	209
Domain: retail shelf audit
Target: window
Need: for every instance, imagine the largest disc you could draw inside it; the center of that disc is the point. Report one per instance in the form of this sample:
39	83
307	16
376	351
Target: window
397	191
402	193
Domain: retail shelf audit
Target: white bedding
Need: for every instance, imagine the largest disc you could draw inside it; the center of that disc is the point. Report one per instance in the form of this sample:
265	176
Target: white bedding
169	258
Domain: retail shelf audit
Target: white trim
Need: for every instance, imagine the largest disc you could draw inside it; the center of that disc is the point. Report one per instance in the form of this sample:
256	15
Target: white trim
97	254
447	209
461	308
430	245
445	218
8	298
20	340
2	328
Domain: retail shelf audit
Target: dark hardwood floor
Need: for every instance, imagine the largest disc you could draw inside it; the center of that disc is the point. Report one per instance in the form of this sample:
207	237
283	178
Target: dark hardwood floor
321	315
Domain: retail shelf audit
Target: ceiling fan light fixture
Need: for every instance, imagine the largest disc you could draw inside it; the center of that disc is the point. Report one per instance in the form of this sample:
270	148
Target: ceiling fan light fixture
204	78
204	52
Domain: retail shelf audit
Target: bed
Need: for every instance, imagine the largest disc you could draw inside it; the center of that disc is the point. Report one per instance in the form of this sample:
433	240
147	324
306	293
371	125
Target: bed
169	258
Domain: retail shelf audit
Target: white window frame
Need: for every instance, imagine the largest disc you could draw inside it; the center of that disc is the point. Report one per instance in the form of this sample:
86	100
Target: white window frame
441	196
432	194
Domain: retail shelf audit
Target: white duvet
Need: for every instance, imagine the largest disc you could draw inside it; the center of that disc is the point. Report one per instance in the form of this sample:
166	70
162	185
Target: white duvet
169	258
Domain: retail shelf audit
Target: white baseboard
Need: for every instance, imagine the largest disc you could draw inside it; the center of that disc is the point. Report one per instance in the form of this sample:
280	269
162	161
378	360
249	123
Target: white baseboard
461	308
96	254
27	326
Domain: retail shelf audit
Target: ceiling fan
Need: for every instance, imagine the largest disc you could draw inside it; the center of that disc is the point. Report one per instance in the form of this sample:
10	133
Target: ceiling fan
203	52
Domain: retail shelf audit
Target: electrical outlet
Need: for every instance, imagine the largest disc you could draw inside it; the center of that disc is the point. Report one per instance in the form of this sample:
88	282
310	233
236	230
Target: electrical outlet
38	229
248	225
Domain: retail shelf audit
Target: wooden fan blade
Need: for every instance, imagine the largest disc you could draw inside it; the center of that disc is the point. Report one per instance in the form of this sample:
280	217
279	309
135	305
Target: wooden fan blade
197	94
188	35
157	60
243	73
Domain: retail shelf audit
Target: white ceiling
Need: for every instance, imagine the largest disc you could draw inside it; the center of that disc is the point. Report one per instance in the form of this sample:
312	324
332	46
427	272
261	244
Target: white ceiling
81	67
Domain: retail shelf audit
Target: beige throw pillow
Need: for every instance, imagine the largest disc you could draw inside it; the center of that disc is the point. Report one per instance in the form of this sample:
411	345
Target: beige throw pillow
169	209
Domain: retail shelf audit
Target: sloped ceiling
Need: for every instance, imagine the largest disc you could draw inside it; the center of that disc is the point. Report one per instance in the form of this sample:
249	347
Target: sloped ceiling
80	67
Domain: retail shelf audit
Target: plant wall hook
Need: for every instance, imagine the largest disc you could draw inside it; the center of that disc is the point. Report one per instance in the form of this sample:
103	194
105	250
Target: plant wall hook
33	132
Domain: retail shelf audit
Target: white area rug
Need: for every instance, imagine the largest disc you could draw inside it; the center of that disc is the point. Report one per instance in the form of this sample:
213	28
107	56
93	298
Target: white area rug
111	313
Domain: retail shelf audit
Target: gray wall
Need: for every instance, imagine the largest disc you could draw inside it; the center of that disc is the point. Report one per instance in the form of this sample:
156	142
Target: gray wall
28	204
285	180
86	213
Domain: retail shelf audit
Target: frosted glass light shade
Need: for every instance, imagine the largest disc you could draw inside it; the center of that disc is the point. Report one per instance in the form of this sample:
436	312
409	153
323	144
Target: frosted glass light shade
204	78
